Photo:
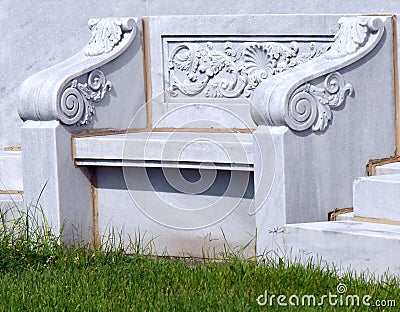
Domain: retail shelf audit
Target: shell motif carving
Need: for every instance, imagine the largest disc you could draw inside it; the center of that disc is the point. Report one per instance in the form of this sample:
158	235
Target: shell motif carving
247	65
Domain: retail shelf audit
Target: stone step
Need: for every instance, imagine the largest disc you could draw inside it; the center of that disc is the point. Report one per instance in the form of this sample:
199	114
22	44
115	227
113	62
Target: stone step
345	216
10	202
364	248
377	197
393	168
10	170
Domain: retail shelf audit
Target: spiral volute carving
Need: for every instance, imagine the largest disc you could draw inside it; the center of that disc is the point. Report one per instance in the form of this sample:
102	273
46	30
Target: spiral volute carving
310	106
76	100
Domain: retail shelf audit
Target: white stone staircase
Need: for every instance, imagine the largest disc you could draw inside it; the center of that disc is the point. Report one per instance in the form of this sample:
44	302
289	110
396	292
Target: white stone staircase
366	241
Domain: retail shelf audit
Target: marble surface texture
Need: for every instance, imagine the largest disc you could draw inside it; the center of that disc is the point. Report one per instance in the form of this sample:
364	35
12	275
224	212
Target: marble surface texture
38	34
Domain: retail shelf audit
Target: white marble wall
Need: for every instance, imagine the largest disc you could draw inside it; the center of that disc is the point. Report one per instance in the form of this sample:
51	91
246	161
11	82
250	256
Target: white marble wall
39	33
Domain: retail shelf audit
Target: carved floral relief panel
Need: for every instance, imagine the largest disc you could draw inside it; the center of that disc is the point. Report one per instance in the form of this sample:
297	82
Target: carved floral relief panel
232	69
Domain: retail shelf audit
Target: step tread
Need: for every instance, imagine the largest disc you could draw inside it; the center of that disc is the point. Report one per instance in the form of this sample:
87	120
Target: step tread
387	169
351	227
364	248
389	178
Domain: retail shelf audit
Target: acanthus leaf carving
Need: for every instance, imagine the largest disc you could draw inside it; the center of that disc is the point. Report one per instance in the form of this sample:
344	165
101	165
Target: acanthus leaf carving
247	66
41	94
292	100
106	34
310	106
353	33
76	101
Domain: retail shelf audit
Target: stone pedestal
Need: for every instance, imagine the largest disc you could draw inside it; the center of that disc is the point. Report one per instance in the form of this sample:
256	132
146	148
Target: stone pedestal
52	184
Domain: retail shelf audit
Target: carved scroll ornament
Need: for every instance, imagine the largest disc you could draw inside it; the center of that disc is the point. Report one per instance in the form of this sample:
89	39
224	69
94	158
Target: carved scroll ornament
292	100
58	93
106	34
76	105
248	64
310	106
352	35
276	67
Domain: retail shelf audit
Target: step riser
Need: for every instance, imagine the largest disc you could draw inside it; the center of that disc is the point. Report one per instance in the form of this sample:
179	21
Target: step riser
348	245
377	197
10	171
393	168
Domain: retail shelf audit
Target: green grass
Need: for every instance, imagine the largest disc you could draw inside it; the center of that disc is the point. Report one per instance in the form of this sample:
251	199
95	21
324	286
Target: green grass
38	273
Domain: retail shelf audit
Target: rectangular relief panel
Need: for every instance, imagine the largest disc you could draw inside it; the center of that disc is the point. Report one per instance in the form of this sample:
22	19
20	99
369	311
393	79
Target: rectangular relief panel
202	70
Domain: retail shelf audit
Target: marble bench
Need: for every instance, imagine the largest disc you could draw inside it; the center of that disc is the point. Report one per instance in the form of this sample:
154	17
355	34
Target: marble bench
203	132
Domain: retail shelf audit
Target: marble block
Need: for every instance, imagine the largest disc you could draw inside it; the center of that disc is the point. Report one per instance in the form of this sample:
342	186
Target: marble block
53	187
174	217
11	171
392	168
377	197
363	248
345	216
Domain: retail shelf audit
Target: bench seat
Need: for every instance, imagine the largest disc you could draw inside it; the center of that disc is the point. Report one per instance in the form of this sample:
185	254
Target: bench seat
191	150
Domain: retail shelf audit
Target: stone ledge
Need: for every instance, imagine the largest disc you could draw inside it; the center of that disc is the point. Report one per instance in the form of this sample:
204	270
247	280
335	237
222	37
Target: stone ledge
346	245
224	151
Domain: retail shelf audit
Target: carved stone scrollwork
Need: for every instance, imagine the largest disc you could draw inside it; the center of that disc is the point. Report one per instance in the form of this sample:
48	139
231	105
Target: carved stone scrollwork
353	33
310	106
291	99
56	92
76	100
248	64
106	34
